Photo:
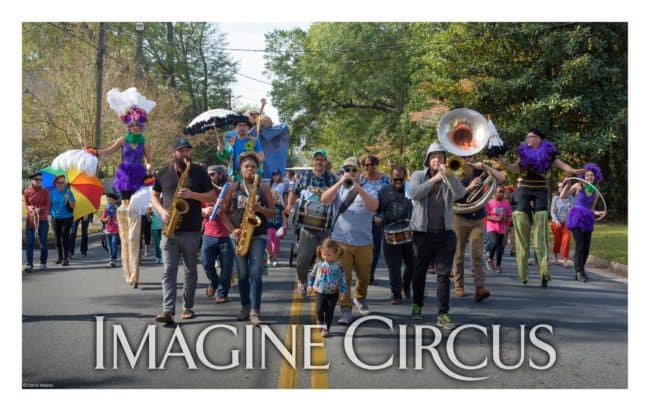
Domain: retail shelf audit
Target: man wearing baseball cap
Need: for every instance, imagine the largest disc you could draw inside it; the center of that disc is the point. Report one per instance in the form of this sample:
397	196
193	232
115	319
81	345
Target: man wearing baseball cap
355	208
187	238
315	181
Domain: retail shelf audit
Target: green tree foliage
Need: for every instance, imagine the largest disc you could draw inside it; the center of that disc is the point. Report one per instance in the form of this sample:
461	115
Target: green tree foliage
184	76
382	87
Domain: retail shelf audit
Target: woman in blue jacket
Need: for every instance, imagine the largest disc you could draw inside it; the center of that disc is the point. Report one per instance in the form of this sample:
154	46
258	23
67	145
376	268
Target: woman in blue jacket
62	206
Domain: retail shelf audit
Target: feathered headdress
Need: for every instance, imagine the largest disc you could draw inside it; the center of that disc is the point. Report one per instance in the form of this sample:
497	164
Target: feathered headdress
594	169
495	147
130	105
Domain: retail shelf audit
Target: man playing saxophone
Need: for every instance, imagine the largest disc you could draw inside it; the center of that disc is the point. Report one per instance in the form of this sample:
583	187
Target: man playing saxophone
246	207
184	240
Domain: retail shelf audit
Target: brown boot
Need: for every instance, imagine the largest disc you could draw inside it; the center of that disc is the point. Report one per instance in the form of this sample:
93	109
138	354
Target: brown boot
481	294
460	291
255	318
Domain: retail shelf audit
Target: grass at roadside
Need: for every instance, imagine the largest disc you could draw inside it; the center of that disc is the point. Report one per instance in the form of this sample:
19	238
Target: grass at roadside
609	241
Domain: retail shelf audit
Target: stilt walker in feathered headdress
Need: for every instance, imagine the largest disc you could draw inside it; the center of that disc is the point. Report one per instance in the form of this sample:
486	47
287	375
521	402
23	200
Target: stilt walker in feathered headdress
536	158
133	109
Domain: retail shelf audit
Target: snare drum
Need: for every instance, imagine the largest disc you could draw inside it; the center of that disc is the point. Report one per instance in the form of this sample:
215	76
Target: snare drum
316	216
396	237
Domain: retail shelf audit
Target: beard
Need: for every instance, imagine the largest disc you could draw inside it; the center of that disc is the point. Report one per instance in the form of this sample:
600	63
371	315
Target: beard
180	162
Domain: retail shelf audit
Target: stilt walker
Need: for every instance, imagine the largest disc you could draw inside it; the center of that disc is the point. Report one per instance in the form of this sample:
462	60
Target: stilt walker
536	157
133	109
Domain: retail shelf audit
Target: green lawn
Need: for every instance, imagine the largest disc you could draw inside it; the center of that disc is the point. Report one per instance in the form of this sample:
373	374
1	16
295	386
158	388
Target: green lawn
609	241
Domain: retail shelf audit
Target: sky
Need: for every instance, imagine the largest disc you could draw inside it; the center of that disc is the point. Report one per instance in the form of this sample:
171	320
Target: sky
251	36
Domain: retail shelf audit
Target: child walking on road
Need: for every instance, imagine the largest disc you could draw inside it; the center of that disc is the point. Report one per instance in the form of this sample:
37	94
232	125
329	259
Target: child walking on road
327	279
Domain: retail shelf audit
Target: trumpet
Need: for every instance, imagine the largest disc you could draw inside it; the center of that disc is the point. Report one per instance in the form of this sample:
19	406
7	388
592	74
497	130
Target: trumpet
456	165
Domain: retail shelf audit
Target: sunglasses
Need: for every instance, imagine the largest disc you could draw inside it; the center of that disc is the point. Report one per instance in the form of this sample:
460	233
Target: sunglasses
37	179
369	165
398	179
350	169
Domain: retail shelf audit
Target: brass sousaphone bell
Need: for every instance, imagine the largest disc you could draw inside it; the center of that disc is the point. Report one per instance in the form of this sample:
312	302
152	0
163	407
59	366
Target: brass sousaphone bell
464	132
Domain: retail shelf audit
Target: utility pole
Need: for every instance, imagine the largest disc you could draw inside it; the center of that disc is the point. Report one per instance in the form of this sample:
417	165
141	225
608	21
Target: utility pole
98	90
229	99
139	28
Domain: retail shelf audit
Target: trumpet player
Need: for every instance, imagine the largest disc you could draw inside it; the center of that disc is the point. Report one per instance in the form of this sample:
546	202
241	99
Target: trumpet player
236	216
187	238
433	191
469	227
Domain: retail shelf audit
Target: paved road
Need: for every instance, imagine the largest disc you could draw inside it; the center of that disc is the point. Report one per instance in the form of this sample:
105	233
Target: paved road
589	323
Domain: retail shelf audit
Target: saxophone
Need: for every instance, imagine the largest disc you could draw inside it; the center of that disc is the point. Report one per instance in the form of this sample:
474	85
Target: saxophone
178	206
249	221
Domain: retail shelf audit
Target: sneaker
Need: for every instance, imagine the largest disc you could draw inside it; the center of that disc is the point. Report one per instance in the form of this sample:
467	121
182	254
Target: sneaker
544	283
58	261
274	263
361	305
481	294
582	277
416	311
346	316
444	321
489	264
42	267
157	261
302	289
111	264
28	268
65	262
244	313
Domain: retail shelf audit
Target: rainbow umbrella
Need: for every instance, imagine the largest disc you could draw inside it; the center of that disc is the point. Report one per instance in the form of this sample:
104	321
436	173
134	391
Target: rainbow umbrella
87	190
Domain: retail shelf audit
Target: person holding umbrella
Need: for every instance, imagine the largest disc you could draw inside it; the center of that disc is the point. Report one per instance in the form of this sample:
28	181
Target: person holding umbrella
62	206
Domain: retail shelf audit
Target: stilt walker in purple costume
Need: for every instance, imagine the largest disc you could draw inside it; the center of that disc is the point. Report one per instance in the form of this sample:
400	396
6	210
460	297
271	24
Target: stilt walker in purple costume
536	157
582	216
133	109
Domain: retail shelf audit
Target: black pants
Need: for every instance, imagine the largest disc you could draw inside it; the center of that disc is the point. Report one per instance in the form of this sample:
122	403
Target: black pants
394	256
538	196
495	240
62	236
146	230
377	237
325	304
583	242
441	248
83	248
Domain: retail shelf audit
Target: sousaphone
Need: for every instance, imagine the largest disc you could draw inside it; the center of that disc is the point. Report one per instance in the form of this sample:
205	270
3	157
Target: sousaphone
464	132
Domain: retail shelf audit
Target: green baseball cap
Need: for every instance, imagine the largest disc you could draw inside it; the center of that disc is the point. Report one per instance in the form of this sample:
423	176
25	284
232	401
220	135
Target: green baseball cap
320	151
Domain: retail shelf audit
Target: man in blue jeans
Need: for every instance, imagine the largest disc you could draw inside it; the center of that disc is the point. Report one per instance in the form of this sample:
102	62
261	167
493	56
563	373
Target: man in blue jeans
216	243
37	203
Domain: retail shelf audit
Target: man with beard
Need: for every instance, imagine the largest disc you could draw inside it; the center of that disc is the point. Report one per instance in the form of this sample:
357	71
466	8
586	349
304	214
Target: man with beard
316	181
395	210
216	242
187	238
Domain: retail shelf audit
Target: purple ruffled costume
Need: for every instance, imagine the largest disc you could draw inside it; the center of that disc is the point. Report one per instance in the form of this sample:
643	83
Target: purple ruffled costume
130	174
581	216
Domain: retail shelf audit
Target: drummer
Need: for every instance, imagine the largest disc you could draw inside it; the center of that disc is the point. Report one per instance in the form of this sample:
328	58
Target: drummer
313	181
395	211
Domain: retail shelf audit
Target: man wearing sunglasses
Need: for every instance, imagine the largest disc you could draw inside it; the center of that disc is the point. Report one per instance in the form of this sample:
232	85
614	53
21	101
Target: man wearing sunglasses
355	209
37	203
433	191
396	214
309	239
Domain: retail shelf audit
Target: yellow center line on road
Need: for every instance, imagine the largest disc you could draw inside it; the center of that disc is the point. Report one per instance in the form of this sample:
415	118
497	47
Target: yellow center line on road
288	376
318	354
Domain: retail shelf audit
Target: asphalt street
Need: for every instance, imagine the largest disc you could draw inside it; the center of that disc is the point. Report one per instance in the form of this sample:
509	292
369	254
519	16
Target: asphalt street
586	349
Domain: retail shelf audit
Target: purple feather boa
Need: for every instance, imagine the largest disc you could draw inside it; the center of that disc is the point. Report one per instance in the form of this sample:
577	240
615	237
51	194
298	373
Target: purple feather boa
540	159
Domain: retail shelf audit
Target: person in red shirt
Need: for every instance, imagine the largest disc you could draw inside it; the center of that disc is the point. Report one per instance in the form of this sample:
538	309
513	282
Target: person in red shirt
37	202
216	243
